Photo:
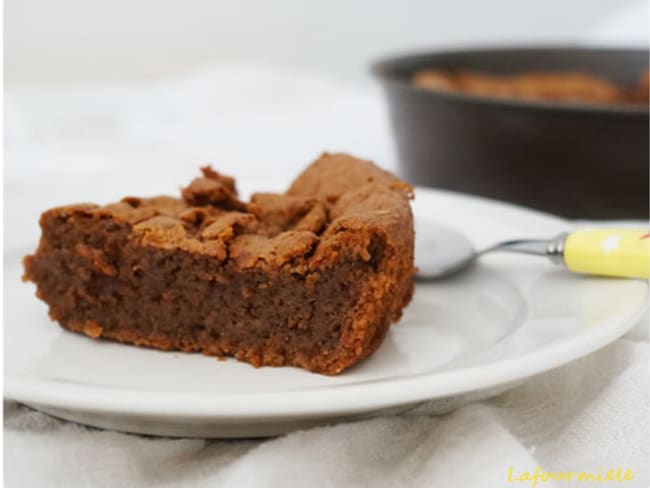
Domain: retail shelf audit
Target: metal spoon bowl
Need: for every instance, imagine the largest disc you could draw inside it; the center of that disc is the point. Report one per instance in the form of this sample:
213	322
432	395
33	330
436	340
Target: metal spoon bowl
441	252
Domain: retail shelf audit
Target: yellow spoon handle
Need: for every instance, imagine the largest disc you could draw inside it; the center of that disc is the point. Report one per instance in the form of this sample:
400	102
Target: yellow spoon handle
622	253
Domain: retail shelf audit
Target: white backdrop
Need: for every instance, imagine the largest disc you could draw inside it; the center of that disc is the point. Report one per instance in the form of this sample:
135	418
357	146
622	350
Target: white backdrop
74	41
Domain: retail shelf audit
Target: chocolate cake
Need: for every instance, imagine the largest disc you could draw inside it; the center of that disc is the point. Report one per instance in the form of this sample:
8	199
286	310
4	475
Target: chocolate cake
554	86
311	278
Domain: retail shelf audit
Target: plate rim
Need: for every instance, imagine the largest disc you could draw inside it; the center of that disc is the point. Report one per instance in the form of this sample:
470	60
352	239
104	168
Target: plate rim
368	396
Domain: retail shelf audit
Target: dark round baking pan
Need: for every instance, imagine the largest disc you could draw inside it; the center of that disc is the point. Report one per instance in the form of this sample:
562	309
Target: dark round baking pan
570	159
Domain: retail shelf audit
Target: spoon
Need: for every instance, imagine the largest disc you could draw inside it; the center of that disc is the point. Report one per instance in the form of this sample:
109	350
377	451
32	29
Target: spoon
441	252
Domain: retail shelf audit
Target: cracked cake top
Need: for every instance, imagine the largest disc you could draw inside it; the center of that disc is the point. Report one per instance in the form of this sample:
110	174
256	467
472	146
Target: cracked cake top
327	211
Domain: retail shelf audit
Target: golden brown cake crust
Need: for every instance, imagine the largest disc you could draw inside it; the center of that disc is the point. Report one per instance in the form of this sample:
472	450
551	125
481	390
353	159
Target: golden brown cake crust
311	278
555	86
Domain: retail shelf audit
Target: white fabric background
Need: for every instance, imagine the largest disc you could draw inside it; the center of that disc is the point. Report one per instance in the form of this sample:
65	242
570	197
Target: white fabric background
257	123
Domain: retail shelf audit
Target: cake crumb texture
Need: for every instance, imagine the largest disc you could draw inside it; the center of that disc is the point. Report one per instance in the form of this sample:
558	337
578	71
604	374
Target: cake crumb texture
312	277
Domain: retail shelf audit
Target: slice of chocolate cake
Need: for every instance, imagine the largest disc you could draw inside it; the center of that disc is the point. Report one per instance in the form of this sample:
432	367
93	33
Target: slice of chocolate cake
310	278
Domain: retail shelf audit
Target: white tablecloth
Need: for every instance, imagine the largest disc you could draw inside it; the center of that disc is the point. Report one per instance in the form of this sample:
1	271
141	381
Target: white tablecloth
586	416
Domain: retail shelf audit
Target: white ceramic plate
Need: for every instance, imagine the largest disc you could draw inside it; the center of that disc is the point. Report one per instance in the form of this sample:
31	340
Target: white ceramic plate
504	320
